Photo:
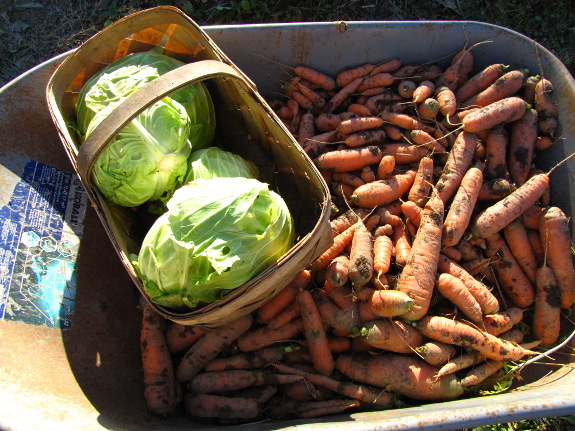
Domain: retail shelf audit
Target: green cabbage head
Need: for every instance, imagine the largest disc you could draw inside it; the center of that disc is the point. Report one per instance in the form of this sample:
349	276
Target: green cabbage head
214	162
148	159
216	235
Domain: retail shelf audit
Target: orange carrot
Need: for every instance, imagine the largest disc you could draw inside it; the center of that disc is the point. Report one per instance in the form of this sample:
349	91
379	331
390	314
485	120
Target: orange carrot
405	121
315	98
361	256
404	153
315	336
516	238
315	76
456	166
341	189
392	132
505	86
385	167
451	331
391	335
345	77
418	275
306	128
382	252
556	240
401	374
382	100
461	362
522	146
382	79
210	345
494	114
435	352
545	106
348	218
382	192
359	109
263	336
496	153
446	99
481	372
411	212
363	393
340	242
455	291
337	272
545	199
406	88
349	159
500	214
547	307
214	382
421	187
452	253
461	208
353	125
468	251
290	312
458	71
327	122
494	190
543	142
480	81
536	245
390	303
367	174
344	93
345	320
180	337
248	360
509	274
302	100
423	91
487	301
401	243
348	178
365	137
503	321
530	217
419	137
284	297
159	378
428	109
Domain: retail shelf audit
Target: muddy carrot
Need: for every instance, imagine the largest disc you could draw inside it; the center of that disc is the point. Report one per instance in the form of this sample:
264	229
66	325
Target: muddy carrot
500	214
344	93
451	331
215	406
263	336
390	303
516	238
290	312
417	277
365	137
248	360
481	372
406	121
462	206
215	382
316	77
404	153
428	109
495	114
422	183
480	81
419	137
510	276
159	378
180	337
446	99
545	106
497	143
461	362
555	237
327	122
547	307
505	86
456	166
503	321
435	352
522	146
385	167
361	256
337	272
210	345
495	189
391	335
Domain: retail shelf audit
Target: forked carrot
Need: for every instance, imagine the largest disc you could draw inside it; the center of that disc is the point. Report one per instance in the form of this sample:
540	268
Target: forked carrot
462	206
455	291
417	277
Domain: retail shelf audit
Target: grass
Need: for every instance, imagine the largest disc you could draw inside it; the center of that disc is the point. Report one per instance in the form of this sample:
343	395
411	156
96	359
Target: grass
34	31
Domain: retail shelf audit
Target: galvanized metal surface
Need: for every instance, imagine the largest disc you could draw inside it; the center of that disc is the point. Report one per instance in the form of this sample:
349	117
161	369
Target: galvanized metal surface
87	377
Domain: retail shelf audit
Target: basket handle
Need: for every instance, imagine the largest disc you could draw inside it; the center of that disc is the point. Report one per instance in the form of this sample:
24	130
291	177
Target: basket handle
142	99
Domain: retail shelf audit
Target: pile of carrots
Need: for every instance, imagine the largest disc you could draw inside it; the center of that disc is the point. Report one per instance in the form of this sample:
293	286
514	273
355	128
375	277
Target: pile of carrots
448	260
